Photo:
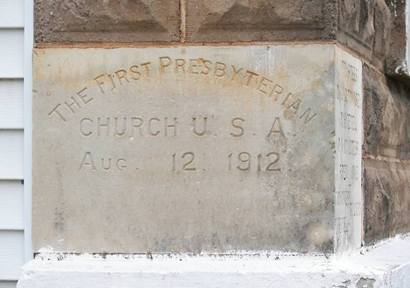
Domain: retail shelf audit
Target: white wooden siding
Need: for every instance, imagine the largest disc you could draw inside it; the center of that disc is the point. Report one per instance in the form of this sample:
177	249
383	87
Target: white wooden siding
13	217
11	154
11	13
11	254
11	53
11	103
11	205
16	30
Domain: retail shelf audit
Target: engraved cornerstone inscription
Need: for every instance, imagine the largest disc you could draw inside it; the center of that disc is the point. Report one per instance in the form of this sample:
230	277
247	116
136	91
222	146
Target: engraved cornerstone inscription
187	149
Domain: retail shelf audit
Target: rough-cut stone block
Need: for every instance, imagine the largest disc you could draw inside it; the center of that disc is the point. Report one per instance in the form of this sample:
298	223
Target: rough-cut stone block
387	116
191	149
365	27
106	21
397	60
387	155
387	198
261	20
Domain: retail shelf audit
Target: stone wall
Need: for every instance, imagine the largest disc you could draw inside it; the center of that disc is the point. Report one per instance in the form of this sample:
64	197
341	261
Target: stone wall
374	30
386	155
365	27
183	21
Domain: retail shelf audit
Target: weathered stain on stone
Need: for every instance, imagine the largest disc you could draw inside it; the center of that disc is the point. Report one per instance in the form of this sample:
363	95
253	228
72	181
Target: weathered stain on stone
133	182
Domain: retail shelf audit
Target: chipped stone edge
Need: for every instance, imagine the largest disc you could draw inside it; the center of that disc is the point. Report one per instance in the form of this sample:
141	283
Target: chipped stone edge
385	264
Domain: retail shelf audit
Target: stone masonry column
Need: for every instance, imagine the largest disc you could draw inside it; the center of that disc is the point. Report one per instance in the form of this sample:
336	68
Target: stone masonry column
187	143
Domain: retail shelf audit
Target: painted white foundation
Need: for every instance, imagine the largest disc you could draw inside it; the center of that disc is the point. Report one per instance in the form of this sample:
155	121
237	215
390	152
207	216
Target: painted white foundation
384	265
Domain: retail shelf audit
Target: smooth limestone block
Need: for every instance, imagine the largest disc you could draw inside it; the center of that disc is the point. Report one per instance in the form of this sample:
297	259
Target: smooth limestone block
197	149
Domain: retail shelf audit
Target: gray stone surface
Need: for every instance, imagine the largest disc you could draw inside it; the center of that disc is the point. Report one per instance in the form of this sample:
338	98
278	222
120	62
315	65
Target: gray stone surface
189	149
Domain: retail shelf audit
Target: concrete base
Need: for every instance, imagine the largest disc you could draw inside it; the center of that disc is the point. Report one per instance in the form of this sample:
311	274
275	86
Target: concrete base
384	265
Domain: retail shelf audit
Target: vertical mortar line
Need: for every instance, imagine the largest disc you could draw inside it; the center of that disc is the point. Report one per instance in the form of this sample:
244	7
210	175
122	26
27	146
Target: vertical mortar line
182	28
